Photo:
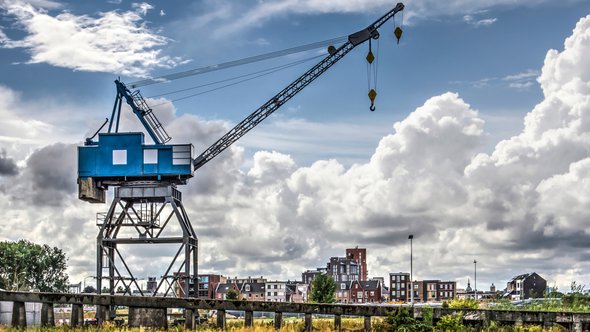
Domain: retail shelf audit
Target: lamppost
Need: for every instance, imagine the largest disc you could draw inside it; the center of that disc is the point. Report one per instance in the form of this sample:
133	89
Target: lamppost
475	279
411	237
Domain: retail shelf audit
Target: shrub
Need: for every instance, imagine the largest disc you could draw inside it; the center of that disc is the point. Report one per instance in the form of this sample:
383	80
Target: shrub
450	323
464	304
402	320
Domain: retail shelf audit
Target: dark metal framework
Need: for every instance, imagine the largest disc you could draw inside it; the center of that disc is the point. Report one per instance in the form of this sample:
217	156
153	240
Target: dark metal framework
145	213
144	113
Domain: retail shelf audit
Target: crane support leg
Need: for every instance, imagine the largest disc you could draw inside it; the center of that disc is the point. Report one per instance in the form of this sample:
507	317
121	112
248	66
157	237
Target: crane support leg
149	215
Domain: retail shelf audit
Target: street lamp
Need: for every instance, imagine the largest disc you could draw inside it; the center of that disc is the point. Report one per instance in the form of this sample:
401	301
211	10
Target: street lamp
475	279
411	237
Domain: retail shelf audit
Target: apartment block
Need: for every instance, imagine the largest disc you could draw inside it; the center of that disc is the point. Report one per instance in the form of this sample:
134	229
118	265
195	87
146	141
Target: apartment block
360	256
207	284
399	286
275	291
447	290
343	269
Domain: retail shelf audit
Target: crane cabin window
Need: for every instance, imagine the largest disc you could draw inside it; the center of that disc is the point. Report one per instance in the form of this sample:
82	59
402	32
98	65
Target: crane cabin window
182	154
150	156
119	157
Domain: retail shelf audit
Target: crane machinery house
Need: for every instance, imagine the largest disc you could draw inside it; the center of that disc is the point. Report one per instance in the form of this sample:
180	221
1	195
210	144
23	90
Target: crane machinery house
120	157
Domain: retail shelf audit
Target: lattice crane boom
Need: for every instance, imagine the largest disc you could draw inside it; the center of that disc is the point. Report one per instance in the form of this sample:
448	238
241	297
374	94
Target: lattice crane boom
143	112
292	89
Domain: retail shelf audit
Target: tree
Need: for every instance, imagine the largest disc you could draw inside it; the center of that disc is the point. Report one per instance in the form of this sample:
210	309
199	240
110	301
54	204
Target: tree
231	295
26	266
323	289
89	289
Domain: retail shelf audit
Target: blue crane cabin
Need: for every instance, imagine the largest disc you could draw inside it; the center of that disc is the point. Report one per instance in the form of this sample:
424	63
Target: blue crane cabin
125	157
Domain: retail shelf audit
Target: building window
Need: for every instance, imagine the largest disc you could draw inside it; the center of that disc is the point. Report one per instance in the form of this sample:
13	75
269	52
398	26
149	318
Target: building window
119	157
372	293
342	286
403	278
275	286
268	286
403	293
268	294
247	288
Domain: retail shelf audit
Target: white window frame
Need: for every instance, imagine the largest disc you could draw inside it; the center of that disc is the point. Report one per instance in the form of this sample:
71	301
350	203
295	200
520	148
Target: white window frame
119	157
150	156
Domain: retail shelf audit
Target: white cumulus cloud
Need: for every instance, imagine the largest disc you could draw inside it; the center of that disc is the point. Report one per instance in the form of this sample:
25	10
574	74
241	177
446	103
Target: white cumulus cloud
114	42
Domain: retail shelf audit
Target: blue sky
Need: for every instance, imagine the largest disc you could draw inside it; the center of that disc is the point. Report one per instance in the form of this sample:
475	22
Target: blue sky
468	48
60	58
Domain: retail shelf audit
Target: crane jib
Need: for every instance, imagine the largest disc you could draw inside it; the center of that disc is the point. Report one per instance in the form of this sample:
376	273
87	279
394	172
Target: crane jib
292	89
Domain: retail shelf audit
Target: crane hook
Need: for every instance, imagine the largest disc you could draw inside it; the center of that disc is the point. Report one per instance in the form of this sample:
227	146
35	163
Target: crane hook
372	96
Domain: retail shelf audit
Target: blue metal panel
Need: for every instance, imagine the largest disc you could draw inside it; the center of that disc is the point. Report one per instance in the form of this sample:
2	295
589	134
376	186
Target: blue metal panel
87	161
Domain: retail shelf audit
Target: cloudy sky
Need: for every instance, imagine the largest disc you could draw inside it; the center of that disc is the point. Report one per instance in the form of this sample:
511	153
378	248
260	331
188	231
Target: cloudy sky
480	144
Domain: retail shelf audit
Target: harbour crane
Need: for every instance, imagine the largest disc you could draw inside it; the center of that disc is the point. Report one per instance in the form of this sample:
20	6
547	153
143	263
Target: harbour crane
146	176
98	168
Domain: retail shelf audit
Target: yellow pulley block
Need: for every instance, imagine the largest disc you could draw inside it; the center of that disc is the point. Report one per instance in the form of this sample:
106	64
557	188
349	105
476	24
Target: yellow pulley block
370	57
398	33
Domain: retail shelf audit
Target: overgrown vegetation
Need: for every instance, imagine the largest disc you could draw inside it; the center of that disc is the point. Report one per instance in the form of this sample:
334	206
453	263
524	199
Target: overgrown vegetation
399	321
463	304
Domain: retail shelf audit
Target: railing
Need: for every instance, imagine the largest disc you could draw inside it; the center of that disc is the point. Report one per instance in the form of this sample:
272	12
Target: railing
151	311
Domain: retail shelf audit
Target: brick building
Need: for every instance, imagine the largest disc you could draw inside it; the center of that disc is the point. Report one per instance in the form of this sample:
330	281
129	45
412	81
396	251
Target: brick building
365	291
343	269
399	285
524	286
360	256
207	284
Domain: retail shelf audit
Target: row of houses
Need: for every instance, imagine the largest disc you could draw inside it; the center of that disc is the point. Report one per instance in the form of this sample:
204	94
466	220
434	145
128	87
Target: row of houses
423	290
262	290
350	274
259	289
214	286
